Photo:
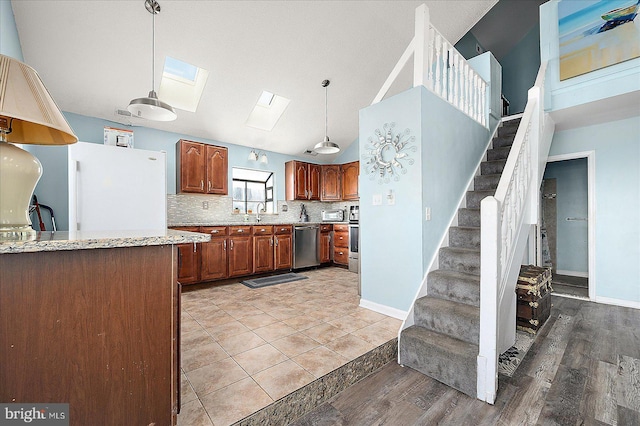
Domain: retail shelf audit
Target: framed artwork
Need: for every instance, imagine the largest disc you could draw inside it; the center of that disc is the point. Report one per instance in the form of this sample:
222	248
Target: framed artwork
595	34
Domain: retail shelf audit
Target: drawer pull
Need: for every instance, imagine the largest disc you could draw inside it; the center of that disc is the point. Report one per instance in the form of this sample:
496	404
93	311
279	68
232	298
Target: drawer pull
240	230
533	304
262	230
215	231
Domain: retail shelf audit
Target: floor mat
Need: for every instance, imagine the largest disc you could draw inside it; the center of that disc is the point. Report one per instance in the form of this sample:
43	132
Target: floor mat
273	280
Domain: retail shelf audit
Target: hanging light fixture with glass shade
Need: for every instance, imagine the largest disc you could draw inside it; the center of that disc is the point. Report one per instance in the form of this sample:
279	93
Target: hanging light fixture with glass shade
152	108
326	146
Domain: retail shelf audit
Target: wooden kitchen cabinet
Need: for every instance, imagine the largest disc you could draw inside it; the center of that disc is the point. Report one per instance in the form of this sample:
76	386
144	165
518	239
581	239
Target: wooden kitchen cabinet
263	249
325	243
331	183
214	263
302	180
188	259
341	244
350	172
283	240
240	251
201	168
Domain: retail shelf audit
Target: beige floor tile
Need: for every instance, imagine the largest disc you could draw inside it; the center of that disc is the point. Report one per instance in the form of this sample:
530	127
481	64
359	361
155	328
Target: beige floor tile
187	394
320	361
347	323
188	324
283	313
215	376
242	342
324	333
391	324
374	334
193	414
195	338
256	321
282	379
202	355
212	320
260	358
295	344
350	346
236	401
227	329
302	322
274	331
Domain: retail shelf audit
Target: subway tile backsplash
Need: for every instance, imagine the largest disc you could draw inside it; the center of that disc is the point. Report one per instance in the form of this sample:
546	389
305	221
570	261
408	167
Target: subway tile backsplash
187	209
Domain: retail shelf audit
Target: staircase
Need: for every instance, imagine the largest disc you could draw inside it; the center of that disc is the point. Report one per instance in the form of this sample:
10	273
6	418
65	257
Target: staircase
443	342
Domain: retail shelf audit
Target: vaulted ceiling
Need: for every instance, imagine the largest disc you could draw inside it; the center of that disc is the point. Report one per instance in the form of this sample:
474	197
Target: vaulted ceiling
95	56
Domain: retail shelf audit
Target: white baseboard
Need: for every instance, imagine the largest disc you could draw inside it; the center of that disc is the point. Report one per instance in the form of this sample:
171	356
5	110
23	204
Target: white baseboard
383	309
573	273
618	302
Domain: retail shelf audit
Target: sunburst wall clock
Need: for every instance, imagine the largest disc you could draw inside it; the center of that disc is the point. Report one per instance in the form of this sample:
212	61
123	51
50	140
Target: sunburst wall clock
388	156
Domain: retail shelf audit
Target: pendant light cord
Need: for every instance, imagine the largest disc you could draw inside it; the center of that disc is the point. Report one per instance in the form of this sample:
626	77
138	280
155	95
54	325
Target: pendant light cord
326	119
153	52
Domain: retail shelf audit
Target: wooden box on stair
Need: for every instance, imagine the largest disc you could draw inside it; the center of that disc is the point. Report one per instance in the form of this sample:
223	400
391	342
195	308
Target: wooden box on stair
534	298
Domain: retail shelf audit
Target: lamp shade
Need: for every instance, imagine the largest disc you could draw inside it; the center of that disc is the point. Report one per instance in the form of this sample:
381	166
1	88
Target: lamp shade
32	113
326	147
152	108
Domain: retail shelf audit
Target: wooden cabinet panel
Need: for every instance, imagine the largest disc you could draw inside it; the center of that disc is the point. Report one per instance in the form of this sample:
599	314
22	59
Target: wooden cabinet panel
313	186
339	227
92	328
263	230
201	168
283	251
341	255
350	172
263	253
341	239
283	229
188	259
240	252
325	247
327	227
191	163
331	183
217	170
214	259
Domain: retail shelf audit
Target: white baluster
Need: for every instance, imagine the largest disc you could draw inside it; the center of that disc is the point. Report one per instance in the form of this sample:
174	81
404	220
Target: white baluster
438	41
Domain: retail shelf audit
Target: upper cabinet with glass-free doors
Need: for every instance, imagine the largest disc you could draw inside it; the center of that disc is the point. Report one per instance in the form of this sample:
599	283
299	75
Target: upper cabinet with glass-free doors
201	168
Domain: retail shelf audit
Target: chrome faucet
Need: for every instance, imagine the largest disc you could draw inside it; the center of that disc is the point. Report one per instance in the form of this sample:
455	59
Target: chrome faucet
258	211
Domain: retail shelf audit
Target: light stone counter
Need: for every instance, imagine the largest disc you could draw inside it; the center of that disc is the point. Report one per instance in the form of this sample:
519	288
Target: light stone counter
57	241
254	223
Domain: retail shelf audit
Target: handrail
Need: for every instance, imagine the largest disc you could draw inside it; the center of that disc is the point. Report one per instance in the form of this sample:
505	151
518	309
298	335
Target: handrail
441	69
503	217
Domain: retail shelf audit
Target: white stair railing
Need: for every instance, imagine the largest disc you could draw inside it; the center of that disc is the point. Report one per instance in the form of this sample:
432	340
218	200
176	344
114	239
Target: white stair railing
442	69
503	226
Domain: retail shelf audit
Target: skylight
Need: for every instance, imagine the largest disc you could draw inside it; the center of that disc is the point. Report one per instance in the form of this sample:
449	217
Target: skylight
267	111
182	84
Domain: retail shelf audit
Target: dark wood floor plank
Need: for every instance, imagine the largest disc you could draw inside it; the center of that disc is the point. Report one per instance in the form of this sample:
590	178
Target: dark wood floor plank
547	360
527	403
562	404
324	415
599	401
628	384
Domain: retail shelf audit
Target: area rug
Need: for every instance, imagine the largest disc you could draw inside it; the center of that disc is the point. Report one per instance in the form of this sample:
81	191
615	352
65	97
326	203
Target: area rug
273	280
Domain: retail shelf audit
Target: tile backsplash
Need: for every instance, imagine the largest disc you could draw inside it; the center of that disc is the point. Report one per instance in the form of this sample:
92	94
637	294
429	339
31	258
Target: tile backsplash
188	209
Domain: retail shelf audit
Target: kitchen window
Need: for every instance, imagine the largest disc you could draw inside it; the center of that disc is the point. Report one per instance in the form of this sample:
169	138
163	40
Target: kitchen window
251	187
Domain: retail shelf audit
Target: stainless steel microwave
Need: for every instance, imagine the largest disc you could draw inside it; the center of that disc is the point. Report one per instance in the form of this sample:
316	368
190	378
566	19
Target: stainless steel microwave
332	215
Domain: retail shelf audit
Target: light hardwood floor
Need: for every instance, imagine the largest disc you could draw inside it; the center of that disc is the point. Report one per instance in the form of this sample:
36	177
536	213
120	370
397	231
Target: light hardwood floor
583	369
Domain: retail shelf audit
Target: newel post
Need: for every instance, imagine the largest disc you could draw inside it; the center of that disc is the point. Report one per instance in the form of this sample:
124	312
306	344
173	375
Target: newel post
535	137
487	381
421	47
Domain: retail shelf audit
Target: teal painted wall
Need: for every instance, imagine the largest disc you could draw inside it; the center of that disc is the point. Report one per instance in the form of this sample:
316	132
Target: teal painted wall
52	189
617	202
9	39
519	70
467	46
397	244
571	202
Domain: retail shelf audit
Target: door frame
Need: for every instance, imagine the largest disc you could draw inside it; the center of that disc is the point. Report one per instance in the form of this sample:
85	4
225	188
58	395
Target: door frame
591	210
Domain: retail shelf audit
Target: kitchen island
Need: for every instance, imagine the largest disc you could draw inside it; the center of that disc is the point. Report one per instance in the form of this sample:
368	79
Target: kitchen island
92	320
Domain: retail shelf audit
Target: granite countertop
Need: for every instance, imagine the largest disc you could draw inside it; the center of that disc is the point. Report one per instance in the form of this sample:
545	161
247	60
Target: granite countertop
254	223
62	240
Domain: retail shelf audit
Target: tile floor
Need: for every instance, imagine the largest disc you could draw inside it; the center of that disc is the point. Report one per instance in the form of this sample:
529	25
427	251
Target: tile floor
244	348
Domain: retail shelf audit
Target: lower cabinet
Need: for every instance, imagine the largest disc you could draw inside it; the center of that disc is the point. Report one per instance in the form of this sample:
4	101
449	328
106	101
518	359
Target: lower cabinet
214	264
341	244
189	259
325	243
240	251
283	250
263	251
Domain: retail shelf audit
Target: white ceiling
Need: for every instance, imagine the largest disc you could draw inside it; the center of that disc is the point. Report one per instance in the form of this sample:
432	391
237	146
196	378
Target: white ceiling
95	56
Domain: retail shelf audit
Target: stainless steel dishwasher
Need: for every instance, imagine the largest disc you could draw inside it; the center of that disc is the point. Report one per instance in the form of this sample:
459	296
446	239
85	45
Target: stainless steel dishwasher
305	246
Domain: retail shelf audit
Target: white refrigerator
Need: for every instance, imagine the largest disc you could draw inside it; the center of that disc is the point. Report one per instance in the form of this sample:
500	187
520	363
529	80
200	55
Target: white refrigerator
116	189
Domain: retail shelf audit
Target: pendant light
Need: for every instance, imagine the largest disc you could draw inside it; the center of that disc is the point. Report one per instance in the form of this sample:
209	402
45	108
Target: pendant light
326	147
151	107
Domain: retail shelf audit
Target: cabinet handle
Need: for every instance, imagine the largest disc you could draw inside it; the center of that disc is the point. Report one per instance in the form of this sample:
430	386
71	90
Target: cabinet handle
224	246
215	231
231	245
209	184
306	193
262	230
195	249
270	242
340	253
240	231
310	194
201	185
